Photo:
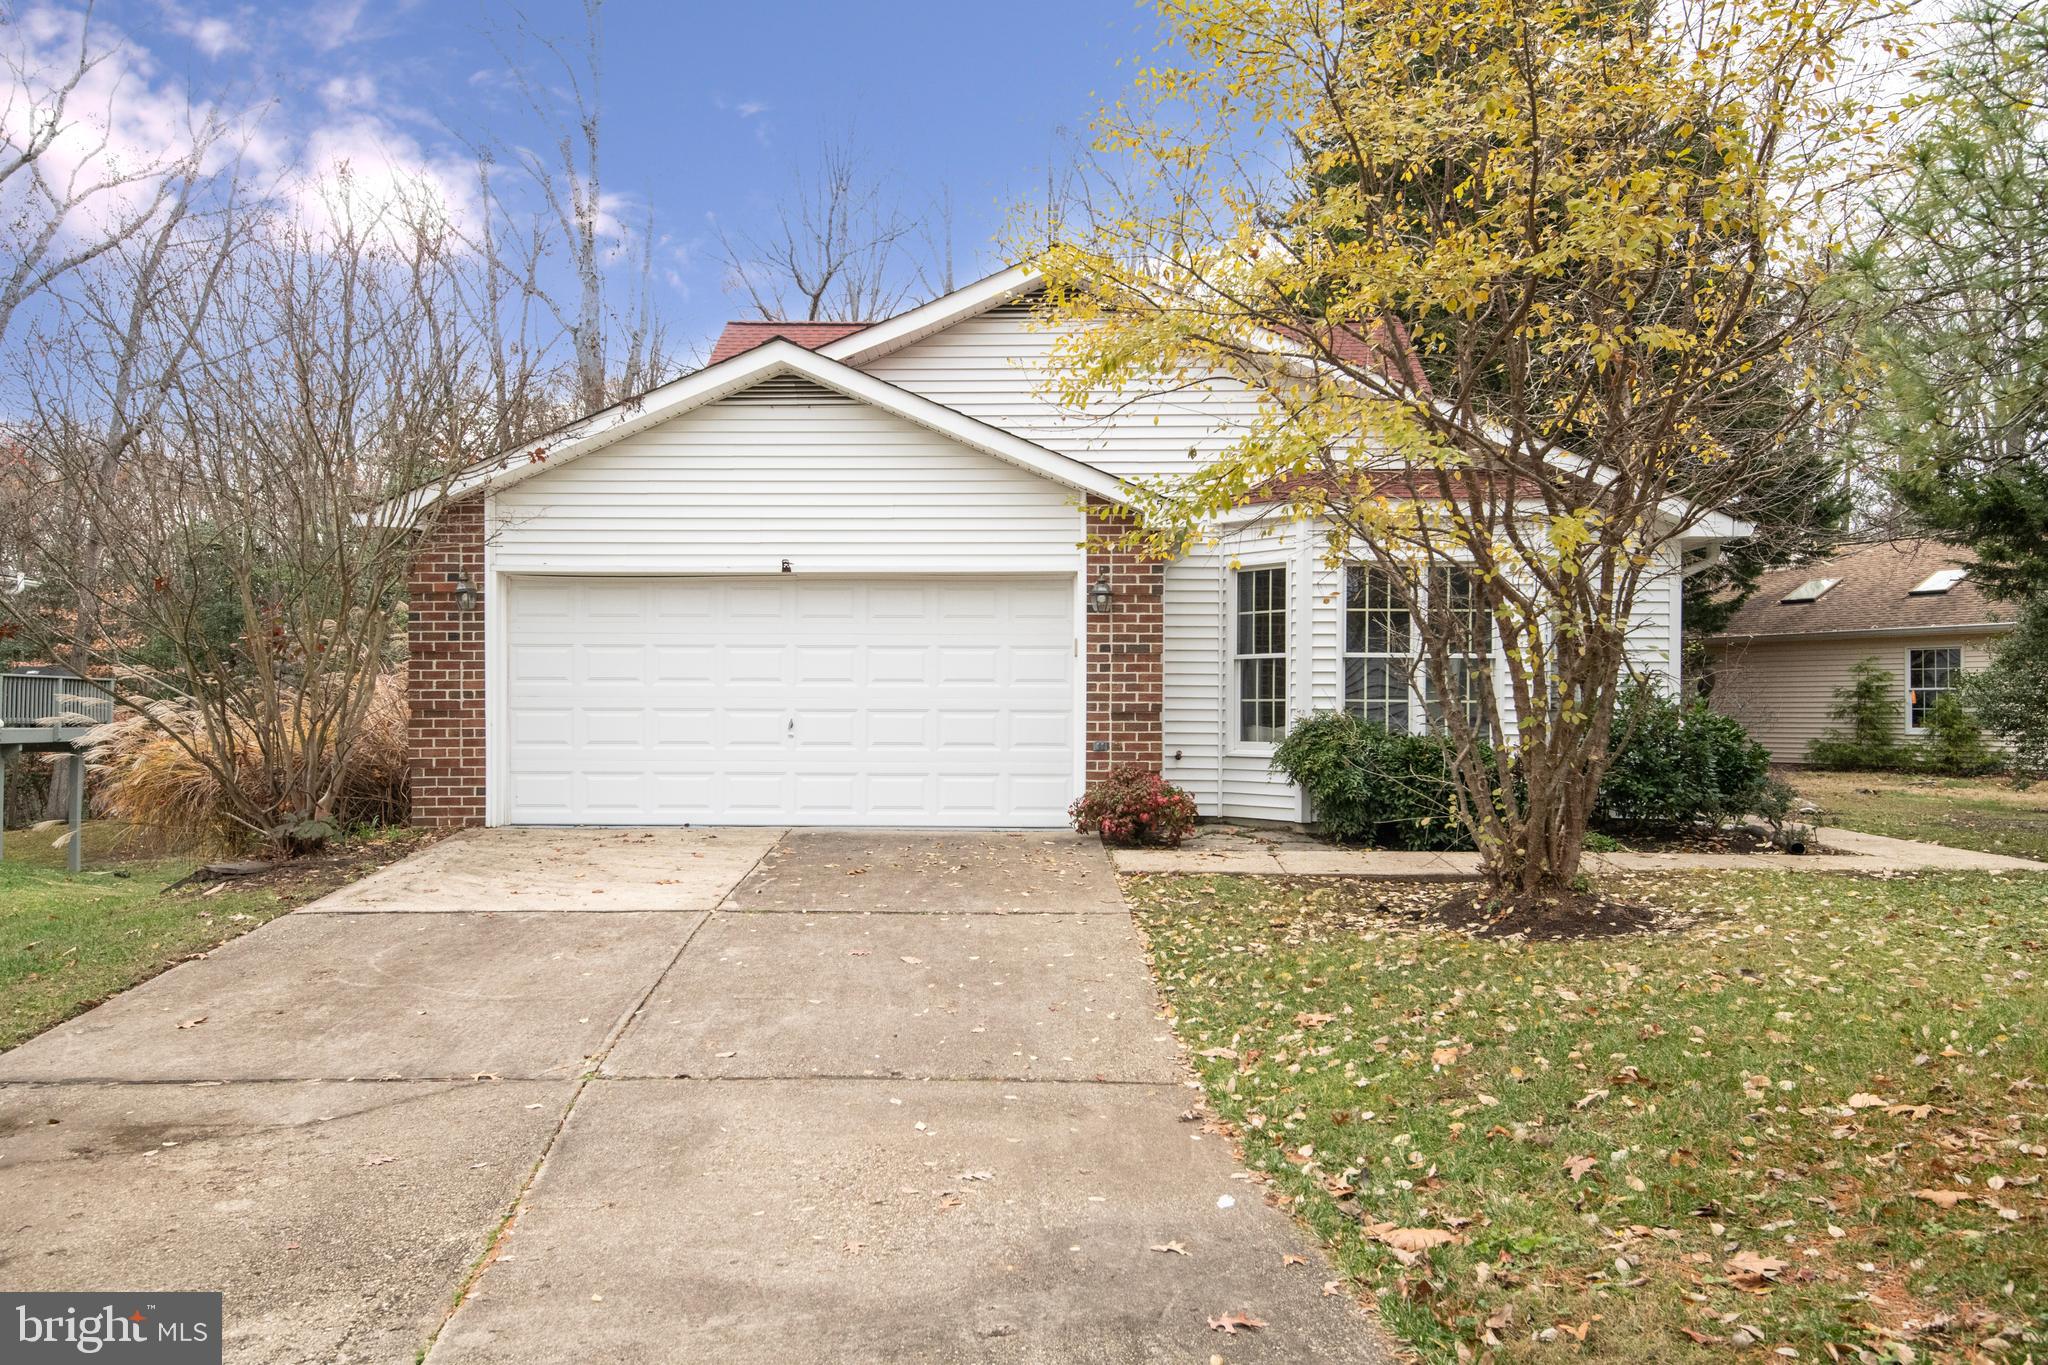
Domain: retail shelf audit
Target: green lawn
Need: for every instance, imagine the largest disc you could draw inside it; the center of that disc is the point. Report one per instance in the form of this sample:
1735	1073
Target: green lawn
1986	814
67	942
1813	1123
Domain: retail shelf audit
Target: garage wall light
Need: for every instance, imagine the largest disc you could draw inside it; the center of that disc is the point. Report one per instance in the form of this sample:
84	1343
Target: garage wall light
1100	598
465	595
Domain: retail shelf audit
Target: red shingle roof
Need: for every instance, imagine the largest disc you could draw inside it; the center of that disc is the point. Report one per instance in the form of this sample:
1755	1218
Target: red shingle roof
745	336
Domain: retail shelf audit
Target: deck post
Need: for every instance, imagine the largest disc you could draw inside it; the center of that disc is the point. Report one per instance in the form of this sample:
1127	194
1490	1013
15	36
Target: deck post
74	854
6	757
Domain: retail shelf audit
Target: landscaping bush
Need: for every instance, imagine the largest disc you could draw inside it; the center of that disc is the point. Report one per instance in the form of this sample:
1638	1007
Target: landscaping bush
143	776
1679	765
1868	706
2011	696
1367	784
1135	805
1954	746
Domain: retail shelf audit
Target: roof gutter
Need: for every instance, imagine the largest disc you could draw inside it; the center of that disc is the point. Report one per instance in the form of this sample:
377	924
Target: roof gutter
1874	632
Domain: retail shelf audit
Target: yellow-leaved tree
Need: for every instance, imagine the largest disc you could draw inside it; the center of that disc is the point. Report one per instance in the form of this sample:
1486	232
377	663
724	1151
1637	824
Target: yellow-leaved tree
1533	288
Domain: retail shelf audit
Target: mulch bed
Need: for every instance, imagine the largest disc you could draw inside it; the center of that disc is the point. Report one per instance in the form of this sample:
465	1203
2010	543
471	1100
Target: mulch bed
318	872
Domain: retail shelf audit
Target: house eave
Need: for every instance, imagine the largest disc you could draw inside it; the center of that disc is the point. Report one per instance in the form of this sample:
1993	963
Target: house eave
1868	633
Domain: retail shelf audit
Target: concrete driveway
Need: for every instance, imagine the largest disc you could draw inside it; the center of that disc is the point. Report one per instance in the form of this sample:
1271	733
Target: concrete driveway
732	1095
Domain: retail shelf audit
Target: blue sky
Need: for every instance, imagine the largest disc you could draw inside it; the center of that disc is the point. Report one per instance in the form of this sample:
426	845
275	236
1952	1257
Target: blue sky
708	106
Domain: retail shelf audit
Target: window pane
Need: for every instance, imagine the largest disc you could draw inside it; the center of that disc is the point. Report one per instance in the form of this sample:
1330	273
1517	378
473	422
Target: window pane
1930	674
1262	700
1261	611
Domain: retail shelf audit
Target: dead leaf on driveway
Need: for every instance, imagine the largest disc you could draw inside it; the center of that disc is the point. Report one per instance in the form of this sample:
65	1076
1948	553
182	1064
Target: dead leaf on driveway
1289	1258
913	961
1229	1323
1174	1248
193	1023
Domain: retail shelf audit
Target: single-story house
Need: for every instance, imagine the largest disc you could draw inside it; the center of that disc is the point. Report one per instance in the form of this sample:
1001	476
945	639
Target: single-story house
841	576
1909	604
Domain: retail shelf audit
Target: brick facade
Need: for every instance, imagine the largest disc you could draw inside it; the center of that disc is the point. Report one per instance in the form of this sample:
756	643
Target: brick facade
445	671
1126	679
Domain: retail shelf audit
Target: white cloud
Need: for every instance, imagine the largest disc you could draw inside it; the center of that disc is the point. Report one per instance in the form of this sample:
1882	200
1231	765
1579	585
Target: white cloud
334	23
349	92
211	34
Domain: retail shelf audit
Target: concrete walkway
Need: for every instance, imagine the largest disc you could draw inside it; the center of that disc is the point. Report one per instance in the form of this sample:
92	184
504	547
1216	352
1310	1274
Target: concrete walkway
1840	850
665	1095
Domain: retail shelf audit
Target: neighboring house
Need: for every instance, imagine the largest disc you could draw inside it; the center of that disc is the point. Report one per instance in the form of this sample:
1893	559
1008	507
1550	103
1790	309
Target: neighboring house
1909	604
840	576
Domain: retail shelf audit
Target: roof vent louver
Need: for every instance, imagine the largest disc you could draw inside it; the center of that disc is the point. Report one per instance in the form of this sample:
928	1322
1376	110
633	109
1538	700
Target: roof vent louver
787	388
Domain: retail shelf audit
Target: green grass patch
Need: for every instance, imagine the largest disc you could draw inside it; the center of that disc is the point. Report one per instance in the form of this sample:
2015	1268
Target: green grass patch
1811	1122
1986	814
69	941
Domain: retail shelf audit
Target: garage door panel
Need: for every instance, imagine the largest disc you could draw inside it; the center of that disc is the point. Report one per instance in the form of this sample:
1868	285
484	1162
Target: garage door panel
787	700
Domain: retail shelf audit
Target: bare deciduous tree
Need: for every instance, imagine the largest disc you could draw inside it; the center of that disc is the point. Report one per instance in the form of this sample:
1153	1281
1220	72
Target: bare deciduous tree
67	195
245	604
840	247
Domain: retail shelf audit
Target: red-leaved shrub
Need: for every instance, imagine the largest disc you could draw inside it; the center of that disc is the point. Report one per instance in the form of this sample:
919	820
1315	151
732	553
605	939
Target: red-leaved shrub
1135	805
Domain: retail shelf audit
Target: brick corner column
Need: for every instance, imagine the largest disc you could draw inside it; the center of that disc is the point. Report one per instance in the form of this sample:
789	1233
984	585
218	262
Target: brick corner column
445	671
1126	679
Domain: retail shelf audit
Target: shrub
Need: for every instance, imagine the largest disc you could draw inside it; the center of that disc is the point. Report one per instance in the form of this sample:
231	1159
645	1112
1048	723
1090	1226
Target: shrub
144	776
1954	745
1868	706
2011	696
1679	764
1367	784
1135	805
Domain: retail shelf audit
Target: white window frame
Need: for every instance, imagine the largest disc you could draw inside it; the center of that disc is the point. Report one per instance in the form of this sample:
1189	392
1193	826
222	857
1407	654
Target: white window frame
1420	704
1410	702
1957	676
1238	744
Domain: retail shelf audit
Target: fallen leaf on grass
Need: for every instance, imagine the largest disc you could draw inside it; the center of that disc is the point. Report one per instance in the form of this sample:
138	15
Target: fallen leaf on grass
1411	1240
1752	1270
1865	1100
1229	1323
1946	1199
1579	1165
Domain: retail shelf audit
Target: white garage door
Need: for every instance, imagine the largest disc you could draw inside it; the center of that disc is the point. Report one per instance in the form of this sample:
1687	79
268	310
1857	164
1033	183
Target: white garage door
906	701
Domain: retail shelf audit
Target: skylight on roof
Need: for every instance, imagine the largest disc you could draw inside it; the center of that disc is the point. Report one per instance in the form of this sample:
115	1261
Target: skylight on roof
1810	591
1941	580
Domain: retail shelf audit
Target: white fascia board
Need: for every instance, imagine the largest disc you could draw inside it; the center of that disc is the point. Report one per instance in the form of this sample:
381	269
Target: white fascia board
767	361
968	301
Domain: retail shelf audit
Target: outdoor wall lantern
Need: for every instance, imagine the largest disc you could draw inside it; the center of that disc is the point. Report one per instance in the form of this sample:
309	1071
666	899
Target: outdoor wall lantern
1099	596
465	596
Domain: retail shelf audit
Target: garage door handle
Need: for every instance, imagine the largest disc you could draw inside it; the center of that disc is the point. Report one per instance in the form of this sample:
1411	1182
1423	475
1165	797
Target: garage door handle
792	725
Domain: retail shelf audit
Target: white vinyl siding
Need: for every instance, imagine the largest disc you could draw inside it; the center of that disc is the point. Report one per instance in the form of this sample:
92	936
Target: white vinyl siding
830	485
1234	780
993	368
1782	690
